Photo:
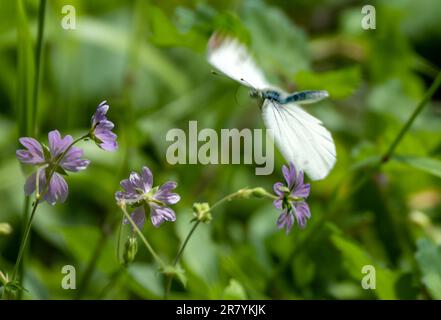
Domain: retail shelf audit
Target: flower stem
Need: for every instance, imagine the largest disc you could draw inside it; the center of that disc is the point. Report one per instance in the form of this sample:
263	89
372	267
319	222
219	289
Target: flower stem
429	93
184	244
144	240
25	237
25	219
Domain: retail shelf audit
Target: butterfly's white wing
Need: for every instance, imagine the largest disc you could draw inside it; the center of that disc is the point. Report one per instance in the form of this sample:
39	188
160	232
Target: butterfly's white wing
232	58
301	138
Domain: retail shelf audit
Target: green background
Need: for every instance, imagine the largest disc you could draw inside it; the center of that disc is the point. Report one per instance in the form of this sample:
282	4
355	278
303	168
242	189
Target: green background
147	59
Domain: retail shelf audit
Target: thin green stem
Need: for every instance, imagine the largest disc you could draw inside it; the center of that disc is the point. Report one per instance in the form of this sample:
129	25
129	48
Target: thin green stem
184	244
429	93
144	240
26	213
25	237
178	256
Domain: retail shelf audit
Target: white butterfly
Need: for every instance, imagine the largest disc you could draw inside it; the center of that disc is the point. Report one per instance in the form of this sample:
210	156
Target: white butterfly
300	137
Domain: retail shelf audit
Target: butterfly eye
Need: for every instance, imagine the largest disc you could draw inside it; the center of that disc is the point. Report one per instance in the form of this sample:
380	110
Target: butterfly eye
254	94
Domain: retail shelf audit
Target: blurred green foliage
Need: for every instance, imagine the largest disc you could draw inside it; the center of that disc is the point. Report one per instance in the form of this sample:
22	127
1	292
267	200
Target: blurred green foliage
146	58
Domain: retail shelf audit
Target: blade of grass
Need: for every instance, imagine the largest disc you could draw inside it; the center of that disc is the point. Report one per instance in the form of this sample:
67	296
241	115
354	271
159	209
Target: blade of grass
25	72
38	53
29	65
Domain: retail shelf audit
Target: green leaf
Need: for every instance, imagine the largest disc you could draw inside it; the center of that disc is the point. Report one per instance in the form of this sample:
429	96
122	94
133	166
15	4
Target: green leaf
164	33
355	258
234	291
176	271
429	165
428	256
117	41
180	274
147	279
200	255
340	83
15	286
288	52
81	240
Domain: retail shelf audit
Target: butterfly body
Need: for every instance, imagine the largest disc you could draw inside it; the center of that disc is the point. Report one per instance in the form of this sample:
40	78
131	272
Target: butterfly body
301	138
301	97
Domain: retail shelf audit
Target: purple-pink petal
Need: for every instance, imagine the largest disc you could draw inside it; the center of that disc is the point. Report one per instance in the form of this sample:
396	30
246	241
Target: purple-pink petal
165	196
57	191
289	174
136	182
57	144
302	213
277	190
301	191
30	184
278	203
138	185
107	139
147	178
33	153
72	160
102	128
293	202
285	220
100	113
129	192
160	214
138	217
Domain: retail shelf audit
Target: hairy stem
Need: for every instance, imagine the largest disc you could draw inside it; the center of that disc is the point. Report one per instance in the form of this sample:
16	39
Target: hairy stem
25	237
144	240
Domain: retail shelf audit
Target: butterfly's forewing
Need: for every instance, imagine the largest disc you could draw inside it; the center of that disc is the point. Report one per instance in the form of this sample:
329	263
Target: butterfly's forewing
230	57
307	96
301	138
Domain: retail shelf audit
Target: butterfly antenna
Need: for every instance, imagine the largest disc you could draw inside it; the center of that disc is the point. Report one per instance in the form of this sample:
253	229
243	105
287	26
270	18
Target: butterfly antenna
246	82
235	95
218	74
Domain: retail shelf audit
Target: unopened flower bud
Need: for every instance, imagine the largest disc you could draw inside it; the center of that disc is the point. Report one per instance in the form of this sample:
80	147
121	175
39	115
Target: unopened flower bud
259	192
202	212
130	250
244	193
5	228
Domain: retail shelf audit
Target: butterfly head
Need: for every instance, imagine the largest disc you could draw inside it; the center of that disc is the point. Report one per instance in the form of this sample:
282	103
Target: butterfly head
255	94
